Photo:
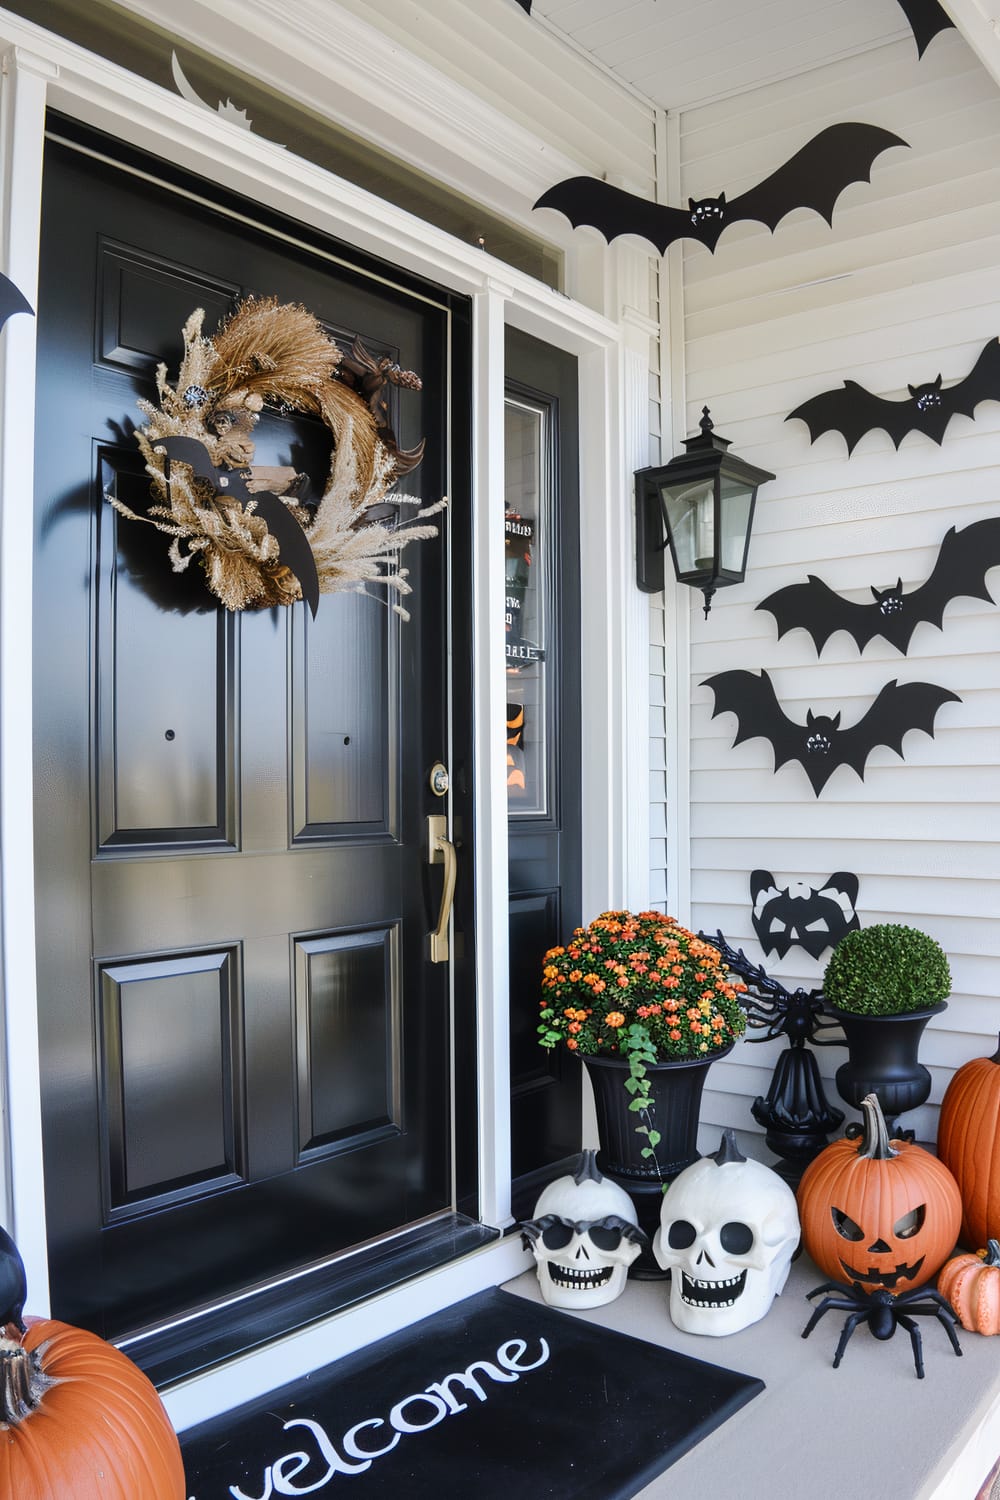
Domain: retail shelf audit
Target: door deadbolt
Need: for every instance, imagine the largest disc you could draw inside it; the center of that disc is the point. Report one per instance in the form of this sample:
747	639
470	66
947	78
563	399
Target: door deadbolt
439	779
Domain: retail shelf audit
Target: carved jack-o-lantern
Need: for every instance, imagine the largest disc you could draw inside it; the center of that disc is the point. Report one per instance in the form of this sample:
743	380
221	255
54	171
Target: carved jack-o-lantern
728	1229
584	1237
883	1215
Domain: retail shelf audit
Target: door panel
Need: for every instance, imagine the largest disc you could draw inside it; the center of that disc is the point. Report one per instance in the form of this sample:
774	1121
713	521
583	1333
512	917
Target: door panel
244	1048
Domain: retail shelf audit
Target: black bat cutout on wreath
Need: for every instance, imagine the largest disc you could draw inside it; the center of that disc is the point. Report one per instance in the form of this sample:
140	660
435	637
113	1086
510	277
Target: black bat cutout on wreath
813	178
964	559
853	411
293	544
926	18
820	745
813	918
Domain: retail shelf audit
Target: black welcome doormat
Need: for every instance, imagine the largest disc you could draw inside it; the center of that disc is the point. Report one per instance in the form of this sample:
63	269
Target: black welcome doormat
492	1398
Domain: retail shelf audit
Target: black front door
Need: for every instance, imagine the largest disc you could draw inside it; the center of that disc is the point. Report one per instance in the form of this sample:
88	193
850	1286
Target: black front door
244	1043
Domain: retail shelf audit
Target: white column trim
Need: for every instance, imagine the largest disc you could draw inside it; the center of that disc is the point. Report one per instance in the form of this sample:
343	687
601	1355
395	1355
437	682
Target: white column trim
676	597
632	749
22	124
489	699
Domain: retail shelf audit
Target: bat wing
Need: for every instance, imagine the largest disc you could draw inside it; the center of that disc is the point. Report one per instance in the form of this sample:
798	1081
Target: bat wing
588	200
960	571
821	611
188	450
816	176
894	713
854	411
981	384
12	301
758	713
926	18
293	544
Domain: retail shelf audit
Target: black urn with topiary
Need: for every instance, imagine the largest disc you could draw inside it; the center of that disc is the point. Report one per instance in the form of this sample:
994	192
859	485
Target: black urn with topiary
883	984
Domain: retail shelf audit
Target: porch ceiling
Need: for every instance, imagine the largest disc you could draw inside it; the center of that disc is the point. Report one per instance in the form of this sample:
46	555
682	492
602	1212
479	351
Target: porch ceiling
680	53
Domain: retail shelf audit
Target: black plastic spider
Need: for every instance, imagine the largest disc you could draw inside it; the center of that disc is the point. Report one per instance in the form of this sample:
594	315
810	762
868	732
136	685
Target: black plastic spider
882	1311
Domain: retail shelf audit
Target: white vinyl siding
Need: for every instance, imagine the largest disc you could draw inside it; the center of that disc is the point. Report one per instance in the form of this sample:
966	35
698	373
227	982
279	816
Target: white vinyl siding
904	287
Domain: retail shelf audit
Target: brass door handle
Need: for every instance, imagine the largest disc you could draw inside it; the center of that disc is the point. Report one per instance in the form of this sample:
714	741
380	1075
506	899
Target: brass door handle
440	850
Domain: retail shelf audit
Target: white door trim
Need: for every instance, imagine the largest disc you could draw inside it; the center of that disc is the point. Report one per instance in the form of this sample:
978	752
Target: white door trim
43	71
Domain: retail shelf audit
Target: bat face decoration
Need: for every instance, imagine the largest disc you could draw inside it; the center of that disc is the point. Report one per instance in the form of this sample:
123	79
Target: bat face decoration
820	746
960	571
810	917
813	178
928	408
926	18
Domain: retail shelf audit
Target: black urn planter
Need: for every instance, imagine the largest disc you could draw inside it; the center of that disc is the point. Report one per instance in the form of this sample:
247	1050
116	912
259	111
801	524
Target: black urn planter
676	1090
795	1113
882	1060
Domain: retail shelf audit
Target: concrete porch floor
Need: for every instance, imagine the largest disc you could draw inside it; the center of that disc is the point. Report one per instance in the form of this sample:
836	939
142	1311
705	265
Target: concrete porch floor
869	1428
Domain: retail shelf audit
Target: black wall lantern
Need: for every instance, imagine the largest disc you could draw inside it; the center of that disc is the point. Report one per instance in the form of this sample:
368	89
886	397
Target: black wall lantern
705	500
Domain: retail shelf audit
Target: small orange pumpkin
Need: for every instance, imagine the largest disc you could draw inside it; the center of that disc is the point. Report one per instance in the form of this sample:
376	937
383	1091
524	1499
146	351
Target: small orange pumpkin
971	1283
77	1418
969	1145
879	1214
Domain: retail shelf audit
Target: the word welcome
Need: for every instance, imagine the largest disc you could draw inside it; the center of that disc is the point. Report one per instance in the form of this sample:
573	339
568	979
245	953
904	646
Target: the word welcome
298	1473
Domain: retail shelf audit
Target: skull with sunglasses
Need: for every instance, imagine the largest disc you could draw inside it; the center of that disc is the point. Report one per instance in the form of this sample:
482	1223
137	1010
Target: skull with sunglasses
584	1237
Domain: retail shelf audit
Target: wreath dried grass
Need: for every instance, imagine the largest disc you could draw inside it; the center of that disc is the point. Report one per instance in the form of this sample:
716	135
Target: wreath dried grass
271	353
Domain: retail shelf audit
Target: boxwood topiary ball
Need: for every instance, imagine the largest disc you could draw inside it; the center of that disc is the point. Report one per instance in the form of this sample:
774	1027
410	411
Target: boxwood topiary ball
886	970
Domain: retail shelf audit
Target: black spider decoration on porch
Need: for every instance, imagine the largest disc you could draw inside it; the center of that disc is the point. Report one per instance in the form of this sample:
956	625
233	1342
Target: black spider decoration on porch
795	1112
884	1311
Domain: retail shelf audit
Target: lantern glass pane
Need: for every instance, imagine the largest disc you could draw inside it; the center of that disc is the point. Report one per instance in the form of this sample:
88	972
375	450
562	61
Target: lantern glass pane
690	516
736	498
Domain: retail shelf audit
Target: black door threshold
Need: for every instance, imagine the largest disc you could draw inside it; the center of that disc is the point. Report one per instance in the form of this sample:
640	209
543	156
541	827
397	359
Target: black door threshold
187	1348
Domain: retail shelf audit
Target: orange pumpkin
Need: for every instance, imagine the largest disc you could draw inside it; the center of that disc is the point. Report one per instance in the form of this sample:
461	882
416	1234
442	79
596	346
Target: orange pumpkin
969	1145
80	1420
971	1284
879	1214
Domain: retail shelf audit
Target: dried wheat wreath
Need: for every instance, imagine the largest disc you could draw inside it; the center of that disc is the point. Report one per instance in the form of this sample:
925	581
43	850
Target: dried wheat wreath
275	353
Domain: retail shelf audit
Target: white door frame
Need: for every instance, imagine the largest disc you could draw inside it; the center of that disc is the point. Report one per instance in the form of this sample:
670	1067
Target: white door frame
41	71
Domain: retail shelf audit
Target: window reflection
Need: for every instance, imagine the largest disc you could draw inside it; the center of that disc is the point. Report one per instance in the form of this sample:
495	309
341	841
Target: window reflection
527	529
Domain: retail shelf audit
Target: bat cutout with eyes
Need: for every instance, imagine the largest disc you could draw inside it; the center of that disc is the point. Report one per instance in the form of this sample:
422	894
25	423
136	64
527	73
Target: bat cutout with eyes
820	745
799	915
853	411
960	571
926	18
813	178
293	544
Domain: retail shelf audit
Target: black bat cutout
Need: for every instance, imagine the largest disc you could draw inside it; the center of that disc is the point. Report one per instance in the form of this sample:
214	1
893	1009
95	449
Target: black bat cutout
293	544
813	178
964	559
12	301
926	18
820	745
853	411
813	918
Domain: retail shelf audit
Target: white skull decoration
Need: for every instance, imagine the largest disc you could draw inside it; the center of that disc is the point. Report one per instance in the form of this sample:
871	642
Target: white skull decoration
584	1237
728	1229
